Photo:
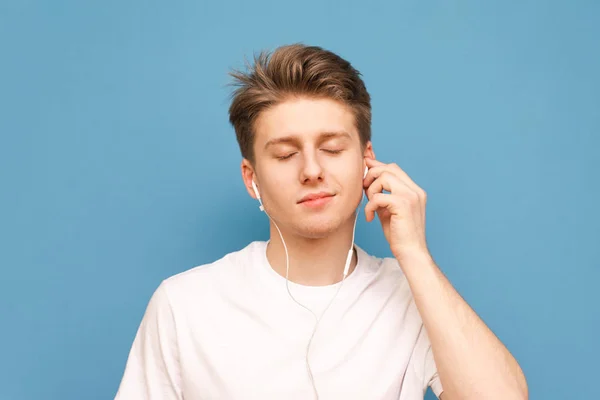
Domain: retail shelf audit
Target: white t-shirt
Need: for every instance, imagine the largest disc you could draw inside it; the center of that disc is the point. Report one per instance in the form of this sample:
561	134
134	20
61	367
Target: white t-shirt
230	330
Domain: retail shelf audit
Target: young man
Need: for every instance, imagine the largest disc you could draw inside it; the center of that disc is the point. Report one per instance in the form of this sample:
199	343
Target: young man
308	314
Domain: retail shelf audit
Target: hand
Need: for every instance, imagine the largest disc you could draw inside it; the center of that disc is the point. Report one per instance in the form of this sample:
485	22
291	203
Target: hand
401	211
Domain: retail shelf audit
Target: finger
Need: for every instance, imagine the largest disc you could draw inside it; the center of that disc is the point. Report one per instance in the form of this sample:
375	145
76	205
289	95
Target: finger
377	172
379	200
377	169
389	182
371	162
372	174
404	176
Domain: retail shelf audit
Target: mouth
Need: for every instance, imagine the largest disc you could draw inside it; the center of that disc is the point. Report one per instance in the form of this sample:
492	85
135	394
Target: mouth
316	200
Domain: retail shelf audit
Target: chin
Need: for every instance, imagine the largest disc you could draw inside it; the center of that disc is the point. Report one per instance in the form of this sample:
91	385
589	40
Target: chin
319	226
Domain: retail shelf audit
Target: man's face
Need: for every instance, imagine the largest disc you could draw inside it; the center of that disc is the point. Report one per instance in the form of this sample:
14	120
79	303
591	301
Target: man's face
308	148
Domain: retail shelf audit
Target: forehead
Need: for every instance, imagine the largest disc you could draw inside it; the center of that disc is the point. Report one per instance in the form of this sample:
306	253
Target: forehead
305	118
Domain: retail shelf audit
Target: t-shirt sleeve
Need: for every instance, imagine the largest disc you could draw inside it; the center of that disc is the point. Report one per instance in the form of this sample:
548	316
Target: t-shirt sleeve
430	374
152	369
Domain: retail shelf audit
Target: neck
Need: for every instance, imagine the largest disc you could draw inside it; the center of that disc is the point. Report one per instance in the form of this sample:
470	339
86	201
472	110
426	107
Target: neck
312	262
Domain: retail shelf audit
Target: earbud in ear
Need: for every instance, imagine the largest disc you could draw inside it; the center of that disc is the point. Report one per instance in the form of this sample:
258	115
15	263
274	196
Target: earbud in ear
257	195
255	190
366	170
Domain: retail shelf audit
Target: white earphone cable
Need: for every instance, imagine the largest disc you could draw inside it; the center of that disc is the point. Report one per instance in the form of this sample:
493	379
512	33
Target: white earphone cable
287	270
317	319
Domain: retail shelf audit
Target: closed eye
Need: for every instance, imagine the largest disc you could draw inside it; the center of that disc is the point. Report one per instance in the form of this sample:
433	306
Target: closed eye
330	151
286	156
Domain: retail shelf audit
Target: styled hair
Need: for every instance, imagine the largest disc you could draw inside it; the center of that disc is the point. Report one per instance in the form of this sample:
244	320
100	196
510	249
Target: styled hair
293	71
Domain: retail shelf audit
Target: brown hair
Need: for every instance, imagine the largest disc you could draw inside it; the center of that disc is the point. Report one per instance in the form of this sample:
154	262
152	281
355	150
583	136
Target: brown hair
295	70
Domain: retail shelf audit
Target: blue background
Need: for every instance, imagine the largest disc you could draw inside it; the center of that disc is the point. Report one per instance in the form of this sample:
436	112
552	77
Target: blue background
118	167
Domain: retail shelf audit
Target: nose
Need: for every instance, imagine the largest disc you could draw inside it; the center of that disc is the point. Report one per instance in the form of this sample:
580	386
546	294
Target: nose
312	171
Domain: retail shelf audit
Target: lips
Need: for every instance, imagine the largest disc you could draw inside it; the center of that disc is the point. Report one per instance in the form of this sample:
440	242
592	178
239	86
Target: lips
315	196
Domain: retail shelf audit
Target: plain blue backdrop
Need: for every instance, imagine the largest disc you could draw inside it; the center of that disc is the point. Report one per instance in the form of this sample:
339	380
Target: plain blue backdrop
118	167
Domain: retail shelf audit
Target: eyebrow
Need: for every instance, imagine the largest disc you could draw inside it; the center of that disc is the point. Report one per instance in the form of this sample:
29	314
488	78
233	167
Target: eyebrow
294	139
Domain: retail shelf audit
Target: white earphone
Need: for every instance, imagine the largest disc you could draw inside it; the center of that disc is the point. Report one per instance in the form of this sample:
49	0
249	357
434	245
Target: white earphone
346	269
350	252
257	195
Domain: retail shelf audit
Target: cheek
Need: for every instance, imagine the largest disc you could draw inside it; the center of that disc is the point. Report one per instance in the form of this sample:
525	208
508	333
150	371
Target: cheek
278	191
348	169
352	180
354	187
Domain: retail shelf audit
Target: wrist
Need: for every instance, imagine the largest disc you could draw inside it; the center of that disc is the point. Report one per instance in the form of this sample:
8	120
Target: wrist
414	258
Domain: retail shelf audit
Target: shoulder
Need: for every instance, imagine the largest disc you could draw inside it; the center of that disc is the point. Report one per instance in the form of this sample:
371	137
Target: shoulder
204	279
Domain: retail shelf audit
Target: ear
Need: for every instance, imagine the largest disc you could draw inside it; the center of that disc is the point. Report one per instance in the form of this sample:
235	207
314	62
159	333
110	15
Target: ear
248	175
368	152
